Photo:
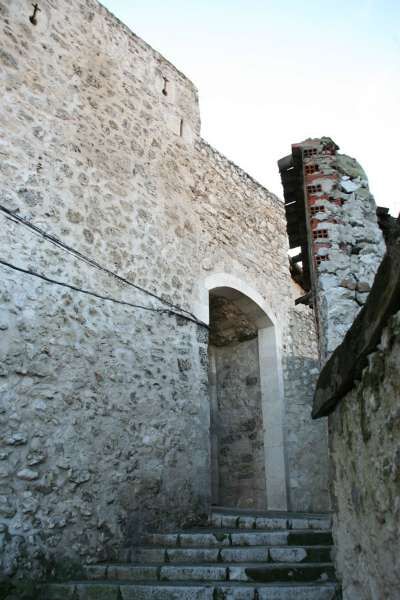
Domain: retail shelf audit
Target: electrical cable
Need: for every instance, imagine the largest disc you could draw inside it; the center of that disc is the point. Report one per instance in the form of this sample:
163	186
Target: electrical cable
172	308
167	311
57	242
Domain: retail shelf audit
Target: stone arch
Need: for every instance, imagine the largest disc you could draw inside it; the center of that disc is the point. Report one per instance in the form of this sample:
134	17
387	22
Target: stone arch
256	307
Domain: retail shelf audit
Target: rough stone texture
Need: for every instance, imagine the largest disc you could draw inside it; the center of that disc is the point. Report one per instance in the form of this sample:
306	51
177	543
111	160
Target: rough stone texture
346	244
347	363
240	426
360	381
237	419
104	408
364	441
303	435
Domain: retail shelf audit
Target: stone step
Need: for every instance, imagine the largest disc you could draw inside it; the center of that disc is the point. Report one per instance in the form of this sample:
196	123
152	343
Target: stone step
187	591
255	572
233	537
270	521
149	554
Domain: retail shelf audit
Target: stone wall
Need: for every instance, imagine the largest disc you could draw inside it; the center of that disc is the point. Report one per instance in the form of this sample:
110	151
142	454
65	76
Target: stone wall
104	407
364	445
241	468
236	417
303	436
345	242
358	298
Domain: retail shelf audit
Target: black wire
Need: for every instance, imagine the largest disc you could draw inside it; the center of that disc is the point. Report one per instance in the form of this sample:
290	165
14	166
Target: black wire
56	241
59	243
162	311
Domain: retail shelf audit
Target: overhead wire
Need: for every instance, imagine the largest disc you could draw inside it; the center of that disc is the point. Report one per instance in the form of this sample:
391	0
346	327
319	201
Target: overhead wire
173	309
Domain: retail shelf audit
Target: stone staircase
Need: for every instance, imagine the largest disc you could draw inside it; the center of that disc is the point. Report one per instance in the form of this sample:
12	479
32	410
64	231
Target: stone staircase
242	555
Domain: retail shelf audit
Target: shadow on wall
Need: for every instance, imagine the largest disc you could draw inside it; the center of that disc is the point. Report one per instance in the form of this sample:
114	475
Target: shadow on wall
248	467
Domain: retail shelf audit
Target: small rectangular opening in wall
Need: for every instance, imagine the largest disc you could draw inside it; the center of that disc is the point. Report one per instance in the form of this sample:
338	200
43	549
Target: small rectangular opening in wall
310	169
320	259
165	87
316	209
181	128
319	234
307	152
313	189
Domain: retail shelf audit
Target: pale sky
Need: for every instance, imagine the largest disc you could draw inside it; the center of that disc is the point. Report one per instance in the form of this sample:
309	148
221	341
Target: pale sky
271	73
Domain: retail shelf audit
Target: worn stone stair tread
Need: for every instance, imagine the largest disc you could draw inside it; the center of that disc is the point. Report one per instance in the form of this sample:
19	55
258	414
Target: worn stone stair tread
228	530
187	590
217	572
228	559
183	584
161	547
220	564
268	513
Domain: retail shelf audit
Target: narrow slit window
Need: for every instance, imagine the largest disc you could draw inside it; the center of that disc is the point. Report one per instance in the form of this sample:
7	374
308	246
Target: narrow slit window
181	128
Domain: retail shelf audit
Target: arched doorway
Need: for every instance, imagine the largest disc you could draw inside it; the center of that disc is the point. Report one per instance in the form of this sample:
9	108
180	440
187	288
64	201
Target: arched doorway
247	448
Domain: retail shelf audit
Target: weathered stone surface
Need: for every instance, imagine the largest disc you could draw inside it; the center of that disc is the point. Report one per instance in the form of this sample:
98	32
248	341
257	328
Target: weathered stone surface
166	593
342	244
288	554
132	572
236	593
365	429
327	592
247	523
301	368
244	554
191	555
259	538
165	539
238	424
310	523
230	521
149	555
204	539
95	571
346	364
58	591
281	572
193	573
271	523
97	591
104	404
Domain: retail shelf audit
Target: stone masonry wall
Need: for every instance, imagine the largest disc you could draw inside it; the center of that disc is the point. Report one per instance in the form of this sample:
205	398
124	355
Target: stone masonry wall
303	436
104	408
241	470
236	417
245	235
364	446
345	242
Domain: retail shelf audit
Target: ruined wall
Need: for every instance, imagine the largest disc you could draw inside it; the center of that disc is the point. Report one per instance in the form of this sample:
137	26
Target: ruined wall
356	295
345	243
364	445
104	407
